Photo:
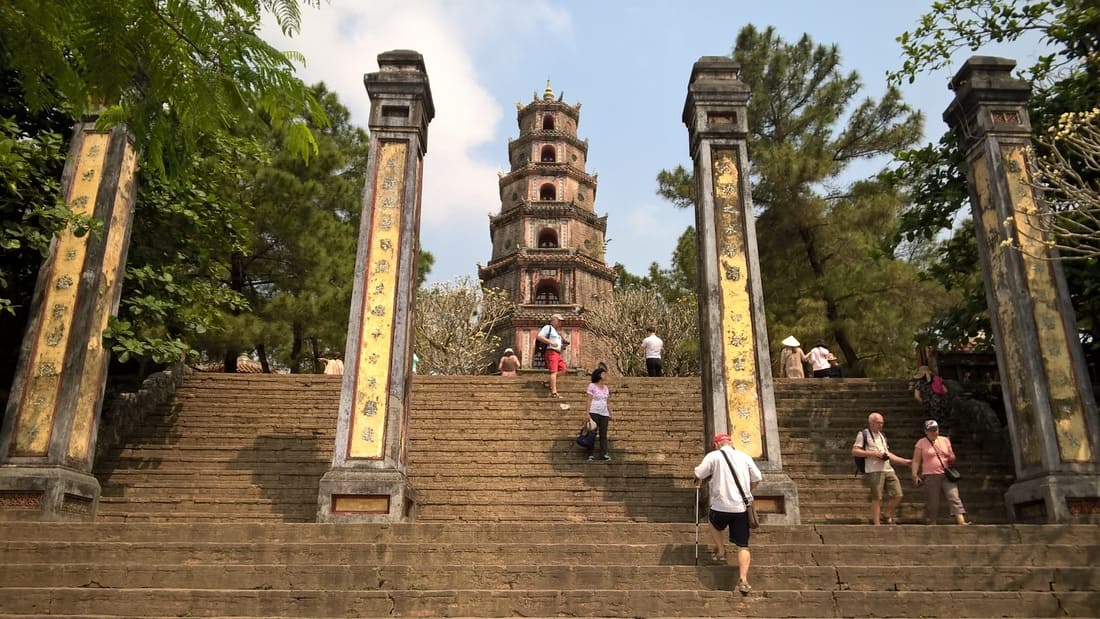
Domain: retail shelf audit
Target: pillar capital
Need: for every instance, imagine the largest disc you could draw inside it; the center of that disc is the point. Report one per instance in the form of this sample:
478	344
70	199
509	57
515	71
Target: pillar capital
401	97
988	100
717	101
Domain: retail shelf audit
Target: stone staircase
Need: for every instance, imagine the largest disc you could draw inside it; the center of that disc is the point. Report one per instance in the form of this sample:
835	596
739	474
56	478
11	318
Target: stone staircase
253	447
204	513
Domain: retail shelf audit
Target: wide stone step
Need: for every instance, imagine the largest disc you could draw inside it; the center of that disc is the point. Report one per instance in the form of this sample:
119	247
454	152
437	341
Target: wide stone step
543	603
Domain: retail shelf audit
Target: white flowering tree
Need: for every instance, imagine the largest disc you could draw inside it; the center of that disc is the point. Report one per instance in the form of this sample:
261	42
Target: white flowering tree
620	323
1068	174
455	325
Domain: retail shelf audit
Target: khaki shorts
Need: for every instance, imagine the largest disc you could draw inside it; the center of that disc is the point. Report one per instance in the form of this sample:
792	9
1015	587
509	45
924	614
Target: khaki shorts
883	481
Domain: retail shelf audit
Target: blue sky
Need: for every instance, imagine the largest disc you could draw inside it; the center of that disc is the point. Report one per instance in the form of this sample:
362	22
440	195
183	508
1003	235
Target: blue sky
627	63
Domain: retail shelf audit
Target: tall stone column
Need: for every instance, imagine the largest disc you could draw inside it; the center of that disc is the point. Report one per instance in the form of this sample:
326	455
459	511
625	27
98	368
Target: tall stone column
737	383
367	481
1049	403
48	438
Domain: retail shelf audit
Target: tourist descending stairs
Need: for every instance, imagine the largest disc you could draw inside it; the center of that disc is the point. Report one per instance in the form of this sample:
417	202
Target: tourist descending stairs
205	512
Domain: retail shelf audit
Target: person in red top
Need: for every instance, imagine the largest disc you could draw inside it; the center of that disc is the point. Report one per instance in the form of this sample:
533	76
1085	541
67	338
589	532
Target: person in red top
930	455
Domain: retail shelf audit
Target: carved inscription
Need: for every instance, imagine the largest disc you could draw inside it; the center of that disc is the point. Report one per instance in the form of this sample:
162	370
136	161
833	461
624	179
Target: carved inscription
738	343
111	269
1061	381
34	424
368	422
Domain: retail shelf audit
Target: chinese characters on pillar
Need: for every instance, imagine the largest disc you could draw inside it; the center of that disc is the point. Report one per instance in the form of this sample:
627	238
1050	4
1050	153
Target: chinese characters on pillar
738	339
40	393
368	420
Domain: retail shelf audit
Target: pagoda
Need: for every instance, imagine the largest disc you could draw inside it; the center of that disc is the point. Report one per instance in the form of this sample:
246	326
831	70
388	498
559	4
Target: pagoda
548	242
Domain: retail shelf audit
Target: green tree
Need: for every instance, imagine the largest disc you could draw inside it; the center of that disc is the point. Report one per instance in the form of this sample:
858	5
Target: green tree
830	263
296	267
173	72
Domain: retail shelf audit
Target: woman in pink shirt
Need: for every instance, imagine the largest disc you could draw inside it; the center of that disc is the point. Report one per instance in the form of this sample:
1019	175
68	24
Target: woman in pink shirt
930	455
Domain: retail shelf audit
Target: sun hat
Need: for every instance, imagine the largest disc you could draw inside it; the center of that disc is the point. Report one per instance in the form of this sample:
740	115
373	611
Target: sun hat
556	317
508	350
931	424
790	341
718	438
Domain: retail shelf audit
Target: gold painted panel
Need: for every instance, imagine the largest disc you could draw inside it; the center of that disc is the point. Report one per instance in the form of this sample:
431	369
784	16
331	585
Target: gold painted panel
1027	432
743	411
34	424
80	439
368	504
1065	401
371	402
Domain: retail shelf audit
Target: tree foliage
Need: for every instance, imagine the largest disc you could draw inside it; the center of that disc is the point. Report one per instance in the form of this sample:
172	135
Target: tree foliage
173	72
456	326
620	323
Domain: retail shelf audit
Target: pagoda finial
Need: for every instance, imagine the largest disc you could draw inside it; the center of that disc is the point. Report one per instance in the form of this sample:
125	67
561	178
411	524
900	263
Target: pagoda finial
548	94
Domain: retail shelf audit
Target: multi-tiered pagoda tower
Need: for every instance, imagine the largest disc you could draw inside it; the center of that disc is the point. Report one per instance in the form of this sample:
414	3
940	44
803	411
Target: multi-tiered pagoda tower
548	242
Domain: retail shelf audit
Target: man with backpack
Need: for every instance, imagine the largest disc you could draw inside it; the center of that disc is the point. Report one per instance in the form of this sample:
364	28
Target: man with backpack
873	452
555	343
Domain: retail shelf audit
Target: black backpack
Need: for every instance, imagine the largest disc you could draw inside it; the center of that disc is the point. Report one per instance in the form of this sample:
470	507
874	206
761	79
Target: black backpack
540	346
861	463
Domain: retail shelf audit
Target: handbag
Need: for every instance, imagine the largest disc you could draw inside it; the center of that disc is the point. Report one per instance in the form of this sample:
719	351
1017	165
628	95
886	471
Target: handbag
750	510
587	436
951	473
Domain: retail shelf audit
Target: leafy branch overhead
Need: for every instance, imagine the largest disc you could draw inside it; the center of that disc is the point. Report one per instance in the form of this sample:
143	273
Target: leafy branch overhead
173	72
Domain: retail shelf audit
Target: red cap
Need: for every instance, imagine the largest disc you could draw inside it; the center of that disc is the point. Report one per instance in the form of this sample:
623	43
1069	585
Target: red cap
718	438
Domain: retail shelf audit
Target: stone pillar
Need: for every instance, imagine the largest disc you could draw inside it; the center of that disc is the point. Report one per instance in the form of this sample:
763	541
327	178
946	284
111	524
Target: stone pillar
737	383
1050	406
367	481
48	438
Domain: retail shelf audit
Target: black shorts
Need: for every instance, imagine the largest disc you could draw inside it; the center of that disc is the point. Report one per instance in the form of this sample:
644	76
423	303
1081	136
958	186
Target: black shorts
738	524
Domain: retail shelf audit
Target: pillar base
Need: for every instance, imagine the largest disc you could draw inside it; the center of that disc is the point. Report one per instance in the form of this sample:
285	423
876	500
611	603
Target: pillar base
365	495
47	494
1058	498
776	500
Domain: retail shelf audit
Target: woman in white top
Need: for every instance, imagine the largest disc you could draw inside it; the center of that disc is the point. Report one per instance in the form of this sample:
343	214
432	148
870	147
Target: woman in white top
819	359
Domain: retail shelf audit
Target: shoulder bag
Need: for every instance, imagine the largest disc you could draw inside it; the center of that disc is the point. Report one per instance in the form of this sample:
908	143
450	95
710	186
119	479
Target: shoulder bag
754	522
951	473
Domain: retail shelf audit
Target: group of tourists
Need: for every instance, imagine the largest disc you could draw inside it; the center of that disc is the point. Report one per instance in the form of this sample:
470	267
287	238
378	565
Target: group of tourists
932	465
792	361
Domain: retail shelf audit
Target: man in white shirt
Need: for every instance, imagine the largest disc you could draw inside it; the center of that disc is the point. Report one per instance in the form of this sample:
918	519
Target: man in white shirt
726	506
652	346
555	343
879	475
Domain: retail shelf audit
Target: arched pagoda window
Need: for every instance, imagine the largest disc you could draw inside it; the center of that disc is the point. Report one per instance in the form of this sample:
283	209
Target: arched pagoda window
548	238
547	292
548	192
548	122
548	155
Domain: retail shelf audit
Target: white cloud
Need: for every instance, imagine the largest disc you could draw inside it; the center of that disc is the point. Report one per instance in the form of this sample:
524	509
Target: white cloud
341	42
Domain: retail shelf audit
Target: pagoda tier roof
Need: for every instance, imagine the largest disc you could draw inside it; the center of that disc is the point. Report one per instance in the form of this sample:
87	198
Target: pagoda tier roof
549	135
554	257
557	168
527	208
542	105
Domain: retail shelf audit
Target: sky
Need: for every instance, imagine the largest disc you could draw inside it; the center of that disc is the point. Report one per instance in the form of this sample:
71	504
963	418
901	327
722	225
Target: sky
626	62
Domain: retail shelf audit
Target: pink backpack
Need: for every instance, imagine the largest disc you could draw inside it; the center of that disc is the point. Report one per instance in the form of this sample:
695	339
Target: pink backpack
937	386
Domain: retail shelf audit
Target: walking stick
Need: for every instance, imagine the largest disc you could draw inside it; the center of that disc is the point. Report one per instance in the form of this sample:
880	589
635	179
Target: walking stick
696	524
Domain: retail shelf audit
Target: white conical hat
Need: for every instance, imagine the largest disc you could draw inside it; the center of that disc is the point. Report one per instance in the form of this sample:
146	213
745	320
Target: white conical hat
790	341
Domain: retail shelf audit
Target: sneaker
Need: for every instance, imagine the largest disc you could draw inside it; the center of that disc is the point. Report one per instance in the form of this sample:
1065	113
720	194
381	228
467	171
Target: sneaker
591	458
606	457
744	588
